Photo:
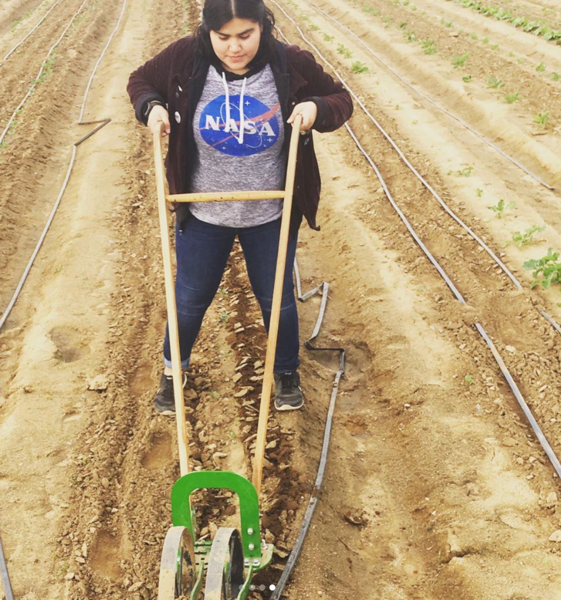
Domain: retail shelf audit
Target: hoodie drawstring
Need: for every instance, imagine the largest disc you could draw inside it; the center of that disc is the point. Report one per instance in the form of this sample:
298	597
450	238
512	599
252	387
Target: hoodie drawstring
242	115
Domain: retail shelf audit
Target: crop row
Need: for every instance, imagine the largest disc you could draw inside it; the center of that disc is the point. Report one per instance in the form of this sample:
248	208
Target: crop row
528	25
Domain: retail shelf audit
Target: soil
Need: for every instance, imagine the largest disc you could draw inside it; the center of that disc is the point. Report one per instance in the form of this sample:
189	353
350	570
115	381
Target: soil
435	487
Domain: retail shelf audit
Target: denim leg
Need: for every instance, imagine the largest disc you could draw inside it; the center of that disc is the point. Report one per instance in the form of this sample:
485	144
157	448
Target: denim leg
202	251
260	247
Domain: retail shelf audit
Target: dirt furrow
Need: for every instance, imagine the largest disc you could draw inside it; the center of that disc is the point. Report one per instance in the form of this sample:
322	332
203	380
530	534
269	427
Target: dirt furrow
33	164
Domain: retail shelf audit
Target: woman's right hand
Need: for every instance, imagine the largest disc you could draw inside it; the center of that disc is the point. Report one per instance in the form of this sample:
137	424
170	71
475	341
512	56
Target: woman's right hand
157	116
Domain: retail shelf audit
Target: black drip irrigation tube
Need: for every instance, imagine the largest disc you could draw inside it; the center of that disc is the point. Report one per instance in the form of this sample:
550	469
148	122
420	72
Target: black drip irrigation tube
8	592
322	289
502	366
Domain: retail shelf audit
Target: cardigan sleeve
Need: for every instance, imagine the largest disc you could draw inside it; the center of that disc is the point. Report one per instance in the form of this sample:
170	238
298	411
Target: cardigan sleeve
151	81
334	103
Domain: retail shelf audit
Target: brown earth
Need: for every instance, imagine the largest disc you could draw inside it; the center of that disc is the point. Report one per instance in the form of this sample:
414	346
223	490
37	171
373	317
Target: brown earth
435	487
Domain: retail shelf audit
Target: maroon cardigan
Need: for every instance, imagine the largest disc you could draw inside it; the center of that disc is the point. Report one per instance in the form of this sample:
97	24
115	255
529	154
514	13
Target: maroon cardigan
176	77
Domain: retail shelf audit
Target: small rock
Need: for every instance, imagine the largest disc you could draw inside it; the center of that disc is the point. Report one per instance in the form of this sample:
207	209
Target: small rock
551	498
219	455
236	377
510	442
555	536
69	576
510	349
105	482
98	384
190	395
241	393
135	586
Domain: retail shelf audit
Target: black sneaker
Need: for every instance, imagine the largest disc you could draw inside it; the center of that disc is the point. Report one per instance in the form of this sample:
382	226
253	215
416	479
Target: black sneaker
163	400
288	393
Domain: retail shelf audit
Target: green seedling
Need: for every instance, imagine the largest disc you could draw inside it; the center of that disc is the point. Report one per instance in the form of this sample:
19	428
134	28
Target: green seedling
479	192
547	267
495	82
540	68
411	36
328	38
469	379
446	23
403	25
512	98
525	238
465	172
495	47
467	78
459	60
344	51
313	27
501	207
542	119
473	36
555	77
371	11
485	40
429	46
358	67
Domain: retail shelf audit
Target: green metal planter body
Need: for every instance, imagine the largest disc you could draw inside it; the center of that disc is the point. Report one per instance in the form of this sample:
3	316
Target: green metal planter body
255	556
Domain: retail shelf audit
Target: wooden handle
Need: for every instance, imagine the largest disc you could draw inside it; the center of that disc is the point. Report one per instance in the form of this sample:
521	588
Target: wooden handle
171	307
275	313
227	196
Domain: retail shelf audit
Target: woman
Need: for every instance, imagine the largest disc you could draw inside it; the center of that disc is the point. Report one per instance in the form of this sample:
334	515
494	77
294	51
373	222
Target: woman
227	97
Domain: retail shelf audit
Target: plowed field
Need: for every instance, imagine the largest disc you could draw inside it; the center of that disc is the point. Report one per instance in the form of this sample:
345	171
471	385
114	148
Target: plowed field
436	486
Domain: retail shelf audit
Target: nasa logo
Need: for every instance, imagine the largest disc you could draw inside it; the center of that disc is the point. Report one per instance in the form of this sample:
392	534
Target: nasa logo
261	128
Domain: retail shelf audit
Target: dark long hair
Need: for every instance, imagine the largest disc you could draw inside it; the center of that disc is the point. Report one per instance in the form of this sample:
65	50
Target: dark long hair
216	13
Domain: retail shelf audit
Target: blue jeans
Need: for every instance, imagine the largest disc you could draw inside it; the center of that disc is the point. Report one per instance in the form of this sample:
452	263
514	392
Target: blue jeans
202	252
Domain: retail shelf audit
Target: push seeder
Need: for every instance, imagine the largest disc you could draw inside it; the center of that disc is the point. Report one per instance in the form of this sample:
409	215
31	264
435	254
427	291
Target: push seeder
234	556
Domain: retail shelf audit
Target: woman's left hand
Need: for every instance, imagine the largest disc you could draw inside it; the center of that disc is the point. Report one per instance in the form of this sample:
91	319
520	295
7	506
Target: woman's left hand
309	113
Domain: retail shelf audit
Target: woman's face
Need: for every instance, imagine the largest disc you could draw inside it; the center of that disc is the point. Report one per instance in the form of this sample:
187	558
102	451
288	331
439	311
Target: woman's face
236	43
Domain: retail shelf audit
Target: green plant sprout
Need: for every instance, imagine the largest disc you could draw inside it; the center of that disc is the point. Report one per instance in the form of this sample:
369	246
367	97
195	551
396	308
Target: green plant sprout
542	119
469	379
547	267
328	38
555	77
495	47
459	60
473	36
512	98
467	78
465	172
446	23
341	49
429	46
358	67
479	192
501	207
314	27
523	239
495	82
485	40
540	68
371	11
